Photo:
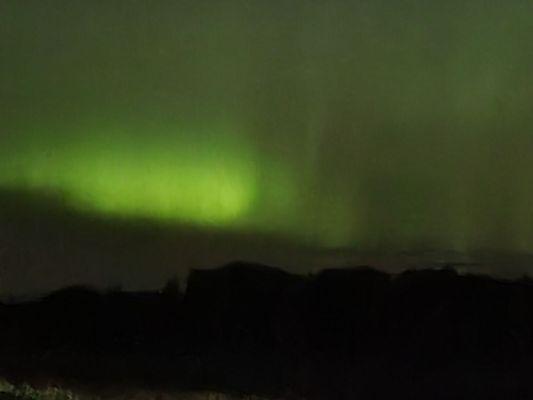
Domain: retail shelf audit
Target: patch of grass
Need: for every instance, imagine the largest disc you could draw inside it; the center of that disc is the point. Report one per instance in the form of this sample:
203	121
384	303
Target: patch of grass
6	387
27	392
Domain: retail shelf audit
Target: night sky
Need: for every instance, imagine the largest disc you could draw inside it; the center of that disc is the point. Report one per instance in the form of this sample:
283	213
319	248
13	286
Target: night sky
171	134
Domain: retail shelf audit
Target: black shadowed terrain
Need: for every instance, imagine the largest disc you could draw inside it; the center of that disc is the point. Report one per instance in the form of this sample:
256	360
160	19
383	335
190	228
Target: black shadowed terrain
246	328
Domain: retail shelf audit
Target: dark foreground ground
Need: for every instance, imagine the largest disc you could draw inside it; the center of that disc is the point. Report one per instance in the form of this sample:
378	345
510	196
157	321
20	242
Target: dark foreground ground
250	329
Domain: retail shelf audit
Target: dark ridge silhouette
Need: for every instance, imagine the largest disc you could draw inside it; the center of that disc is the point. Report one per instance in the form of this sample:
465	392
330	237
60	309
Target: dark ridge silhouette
247	328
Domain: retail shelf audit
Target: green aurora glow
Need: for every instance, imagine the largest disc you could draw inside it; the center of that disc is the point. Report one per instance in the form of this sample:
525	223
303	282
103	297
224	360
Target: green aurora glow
369	124
113	174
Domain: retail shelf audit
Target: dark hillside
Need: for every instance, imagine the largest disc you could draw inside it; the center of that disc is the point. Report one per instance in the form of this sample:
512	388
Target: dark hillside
247	328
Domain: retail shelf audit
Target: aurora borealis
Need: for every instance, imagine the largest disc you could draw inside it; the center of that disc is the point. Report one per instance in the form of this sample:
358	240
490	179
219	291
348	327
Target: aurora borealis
114	174
353	124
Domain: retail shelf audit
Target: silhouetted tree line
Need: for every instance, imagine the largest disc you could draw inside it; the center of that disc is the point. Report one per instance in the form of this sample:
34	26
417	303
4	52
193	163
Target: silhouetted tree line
340	334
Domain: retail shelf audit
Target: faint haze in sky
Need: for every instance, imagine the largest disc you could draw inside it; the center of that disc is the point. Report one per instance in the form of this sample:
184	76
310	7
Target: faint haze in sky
359	124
